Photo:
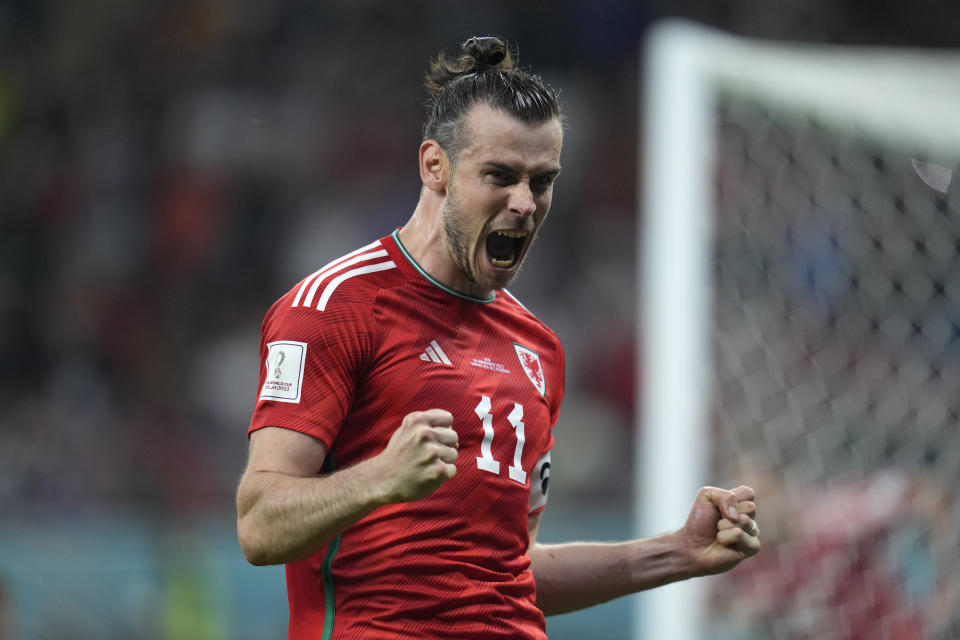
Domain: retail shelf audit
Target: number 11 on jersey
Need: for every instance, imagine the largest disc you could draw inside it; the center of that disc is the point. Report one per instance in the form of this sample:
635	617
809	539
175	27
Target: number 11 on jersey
485	460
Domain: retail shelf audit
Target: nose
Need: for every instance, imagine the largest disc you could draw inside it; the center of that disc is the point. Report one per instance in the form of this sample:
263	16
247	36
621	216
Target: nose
521	200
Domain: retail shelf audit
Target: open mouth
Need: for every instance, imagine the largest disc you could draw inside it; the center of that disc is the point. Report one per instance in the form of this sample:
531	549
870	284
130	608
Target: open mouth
504	248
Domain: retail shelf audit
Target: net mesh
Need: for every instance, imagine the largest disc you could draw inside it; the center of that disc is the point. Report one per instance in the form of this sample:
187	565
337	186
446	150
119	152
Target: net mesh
836	390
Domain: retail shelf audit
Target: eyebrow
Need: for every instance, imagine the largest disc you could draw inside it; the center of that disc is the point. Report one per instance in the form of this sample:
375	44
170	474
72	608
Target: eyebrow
552	172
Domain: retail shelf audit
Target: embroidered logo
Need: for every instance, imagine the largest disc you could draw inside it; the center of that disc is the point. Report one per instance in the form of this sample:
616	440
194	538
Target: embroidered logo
435	354
530	362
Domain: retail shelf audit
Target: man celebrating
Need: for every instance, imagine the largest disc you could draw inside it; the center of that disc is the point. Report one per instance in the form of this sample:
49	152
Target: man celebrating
400	445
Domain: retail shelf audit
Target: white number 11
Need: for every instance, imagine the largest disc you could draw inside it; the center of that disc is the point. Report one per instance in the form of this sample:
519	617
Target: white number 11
485	460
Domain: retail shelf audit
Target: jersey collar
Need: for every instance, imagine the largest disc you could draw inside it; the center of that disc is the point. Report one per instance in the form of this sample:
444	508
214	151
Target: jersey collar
463	296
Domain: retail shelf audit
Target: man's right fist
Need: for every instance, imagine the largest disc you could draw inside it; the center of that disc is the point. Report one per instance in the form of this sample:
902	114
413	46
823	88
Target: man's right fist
420	456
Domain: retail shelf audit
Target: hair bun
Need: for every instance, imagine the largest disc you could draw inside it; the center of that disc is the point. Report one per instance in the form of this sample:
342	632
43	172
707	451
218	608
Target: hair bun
486	50
480	53
482	73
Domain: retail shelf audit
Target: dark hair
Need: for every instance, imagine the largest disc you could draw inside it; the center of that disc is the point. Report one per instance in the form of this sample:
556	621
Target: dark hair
484	72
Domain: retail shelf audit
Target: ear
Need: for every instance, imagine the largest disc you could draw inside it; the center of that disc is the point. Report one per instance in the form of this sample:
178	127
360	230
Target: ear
434	166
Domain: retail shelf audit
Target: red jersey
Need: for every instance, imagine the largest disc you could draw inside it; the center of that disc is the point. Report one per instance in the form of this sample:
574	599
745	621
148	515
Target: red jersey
346	354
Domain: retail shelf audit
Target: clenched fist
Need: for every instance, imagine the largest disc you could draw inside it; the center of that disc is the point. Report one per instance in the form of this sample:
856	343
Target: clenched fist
420	456
721	529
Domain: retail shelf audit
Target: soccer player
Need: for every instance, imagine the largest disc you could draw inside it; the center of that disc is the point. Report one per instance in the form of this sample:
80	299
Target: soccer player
400	444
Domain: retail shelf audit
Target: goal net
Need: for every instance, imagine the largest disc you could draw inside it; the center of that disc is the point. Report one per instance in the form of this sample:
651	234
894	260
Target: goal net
800	317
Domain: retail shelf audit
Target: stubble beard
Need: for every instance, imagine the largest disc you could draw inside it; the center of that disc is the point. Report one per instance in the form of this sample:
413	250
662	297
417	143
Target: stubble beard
458	240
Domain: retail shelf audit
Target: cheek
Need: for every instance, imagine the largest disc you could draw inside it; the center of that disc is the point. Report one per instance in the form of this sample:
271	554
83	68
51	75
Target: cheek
543	207
472	200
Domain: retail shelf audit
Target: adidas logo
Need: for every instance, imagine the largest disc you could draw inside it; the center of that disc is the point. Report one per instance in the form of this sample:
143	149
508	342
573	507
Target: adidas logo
436	354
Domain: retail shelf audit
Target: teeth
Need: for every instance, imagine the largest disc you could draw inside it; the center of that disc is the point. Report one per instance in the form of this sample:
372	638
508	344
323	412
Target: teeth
512	234
501	263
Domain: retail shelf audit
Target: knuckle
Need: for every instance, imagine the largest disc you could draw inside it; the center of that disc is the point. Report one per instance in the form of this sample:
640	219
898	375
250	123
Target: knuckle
441	417
709	492
436	476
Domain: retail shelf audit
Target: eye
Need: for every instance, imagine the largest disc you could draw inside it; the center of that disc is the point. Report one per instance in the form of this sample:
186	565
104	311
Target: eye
501	177
541	184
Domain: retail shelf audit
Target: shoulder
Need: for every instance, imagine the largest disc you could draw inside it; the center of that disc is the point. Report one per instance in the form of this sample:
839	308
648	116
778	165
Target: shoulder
344	288
514	307
363	271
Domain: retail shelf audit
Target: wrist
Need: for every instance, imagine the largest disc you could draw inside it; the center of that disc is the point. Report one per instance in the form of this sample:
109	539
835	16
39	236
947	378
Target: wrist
679	557
369	476
661	560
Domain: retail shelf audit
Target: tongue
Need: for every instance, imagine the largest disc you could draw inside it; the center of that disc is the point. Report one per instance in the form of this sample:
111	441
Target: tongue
500	248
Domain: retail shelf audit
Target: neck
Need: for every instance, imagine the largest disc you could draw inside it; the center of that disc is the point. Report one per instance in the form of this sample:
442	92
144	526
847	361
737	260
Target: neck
423	234
424	238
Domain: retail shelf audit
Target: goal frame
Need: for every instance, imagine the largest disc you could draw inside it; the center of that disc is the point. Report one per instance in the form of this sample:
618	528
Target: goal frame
898	96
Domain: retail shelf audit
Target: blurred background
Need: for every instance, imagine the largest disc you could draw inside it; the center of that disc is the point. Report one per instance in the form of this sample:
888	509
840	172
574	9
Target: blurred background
168	169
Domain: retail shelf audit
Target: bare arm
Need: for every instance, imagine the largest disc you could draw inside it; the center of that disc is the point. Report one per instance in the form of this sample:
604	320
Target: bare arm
581	574
286	510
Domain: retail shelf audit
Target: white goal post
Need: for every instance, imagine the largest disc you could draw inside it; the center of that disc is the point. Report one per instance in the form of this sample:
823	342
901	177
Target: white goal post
905	100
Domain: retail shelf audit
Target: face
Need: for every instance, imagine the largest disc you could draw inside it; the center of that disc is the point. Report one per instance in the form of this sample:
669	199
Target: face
498	196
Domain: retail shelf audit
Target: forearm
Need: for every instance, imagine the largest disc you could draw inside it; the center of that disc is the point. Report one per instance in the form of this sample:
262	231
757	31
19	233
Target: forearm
284	518
582	574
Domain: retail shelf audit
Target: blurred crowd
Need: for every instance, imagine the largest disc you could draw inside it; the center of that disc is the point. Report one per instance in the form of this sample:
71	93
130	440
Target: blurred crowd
170	168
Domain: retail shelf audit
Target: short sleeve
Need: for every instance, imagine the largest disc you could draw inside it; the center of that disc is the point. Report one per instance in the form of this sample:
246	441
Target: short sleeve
556	396
540	479
308	365
555	390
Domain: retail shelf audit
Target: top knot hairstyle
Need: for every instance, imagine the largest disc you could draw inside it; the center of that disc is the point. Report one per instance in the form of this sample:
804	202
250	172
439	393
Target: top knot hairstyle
484	72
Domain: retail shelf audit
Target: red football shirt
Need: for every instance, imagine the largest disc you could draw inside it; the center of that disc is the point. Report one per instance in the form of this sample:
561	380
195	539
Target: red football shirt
346	354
